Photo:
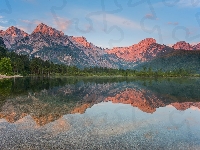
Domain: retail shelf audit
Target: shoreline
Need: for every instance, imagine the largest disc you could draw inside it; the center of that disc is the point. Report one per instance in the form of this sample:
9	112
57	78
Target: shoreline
116	76
8	77
135	77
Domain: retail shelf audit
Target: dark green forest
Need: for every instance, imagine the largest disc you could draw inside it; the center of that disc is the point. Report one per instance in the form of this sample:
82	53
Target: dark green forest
178	60
12	63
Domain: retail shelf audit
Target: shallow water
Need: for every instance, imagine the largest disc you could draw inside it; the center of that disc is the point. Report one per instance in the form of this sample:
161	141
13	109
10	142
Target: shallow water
90	113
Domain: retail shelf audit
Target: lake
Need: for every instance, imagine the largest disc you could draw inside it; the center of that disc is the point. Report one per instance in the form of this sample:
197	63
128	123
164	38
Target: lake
100	113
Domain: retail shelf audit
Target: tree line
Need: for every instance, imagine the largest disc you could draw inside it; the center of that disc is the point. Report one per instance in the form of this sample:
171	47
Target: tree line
12	63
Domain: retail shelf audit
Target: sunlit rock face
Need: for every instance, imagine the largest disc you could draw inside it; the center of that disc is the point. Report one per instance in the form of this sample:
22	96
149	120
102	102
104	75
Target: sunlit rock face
147	102
51	44
142	99
12	35
14	32
42	120
196	47
12	117
143	51
43	113
43	36
81	109
96	55
186	105
182	45
46	30
82	41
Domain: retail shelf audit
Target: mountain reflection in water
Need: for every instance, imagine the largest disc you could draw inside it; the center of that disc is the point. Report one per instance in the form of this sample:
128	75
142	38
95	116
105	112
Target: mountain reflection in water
49	107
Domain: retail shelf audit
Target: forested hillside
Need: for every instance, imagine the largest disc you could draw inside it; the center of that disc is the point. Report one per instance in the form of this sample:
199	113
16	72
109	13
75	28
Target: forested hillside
176	60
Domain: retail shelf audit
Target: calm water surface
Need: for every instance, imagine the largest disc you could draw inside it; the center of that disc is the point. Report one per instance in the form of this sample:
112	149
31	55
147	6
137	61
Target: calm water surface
73	113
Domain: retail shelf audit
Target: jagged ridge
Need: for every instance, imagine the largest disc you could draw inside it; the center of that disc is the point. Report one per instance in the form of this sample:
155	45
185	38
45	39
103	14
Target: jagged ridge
50	44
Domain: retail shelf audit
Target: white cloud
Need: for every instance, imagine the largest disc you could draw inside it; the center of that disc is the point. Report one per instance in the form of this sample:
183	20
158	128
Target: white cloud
184	3
28	25
2	28
30	1
62	23
149	16
3	21
173	23
25	21
189	3
118	21
22	28
33	22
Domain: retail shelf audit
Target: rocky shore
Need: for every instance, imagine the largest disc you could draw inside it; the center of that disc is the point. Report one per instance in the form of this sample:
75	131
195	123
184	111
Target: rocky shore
7	77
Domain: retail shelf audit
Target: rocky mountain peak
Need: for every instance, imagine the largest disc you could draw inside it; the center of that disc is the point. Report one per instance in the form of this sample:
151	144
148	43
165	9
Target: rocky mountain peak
13	32
143	51
147	42
182	45
12	35
196	47
44	29
185	105
81	41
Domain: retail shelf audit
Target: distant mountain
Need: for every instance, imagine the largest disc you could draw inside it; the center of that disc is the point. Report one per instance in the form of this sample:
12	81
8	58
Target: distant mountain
12	35
145	50
182	45
196	47
50	44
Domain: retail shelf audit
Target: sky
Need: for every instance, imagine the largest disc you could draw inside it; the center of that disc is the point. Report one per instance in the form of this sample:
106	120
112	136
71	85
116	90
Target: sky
108	23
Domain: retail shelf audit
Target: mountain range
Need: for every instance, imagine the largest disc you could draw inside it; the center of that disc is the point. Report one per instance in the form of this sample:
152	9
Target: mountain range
50	44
